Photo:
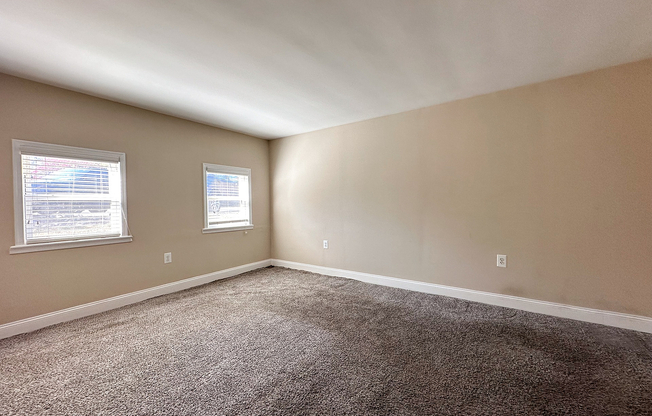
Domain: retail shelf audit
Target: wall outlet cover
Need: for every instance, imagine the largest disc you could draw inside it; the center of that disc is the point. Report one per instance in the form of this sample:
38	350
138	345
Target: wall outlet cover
501	260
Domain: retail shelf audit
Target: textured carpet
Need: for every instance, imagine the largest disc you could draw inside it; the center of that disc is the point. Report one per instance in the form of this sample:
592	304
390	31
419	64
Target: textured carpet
282	342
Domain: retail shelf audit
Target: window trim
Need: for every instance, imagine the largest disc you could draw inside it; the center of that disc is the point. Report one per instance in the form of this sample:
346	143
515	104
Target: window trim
210	167
20	147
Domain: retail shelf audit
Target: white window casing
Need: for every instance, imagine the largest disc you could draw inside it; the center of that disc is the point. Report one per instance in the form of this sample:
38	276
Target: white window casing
67	197
227	198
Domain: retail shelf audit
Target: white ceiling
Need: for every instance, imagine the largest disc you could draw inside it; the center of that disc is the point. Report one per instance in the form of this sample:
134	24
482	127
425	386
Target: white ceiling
282	67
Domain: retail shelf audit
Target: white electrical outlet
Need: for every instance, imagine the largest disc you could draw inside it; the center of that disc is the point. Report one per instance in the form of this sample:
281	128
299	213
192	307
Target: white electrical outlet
501	260
167	258
325	243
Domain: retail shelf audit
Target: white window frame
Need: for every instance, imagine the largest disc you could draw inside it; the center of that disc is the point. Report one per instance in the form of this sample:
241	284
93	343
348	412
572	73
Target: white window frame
210	167
20	147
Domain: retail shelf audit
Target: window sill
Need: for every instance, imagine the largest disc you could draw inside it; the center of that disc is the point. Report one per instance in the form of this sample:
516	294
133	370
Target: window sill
59	245
225	229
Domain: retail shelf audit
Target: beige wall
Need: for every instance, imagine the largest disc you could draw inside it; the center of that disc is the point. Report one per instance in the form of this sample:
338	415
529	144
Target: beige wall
556	175
164	186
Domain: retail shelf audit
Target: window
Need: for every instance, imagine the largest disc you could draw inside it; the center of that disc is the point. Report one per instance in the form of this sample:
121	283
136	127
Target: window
227	198
67	197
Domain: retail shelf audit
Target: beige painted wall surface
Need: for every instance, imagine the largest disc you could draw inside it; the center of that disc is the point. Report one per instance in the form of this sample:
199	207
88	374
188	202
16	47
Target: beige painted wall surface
556	175
165	197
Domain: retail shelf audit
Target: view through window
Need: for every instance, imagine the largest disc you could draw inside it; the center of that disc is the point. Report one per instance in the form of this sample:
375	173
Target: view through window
67	199
227	197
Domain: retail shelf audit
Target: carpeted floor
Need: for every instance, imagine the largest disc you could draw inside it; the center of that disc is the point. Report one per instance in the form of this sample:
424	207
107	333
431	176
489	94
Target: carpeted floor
282	342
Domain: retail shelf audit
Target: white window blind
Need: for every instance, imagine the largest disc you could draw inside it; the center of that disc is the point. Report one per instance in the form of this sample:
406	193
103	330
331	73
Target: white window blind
228	197
70	199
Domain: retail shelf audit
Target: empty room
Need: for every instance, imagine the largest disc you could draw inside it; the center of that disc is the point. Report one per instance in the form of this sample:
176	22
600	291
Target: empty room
326	207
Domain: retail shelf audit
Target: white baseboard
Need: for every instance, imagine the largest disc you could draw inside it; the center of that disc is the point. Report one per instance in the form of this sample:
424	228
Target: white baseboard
620	320
41	321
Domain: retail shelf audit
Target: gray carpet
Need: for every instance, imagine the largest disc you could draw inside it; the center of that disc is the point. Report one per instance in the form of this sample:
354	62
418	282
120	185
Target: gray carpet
282	342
